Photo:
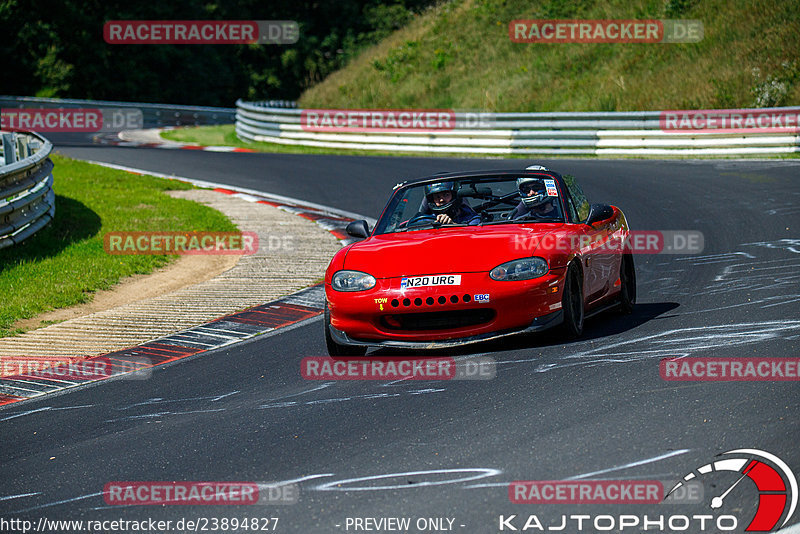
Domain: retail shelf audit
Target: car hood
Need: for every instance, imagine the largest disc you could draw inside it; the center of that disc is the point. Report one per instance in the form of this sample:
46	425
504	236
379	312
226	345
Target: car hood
445	250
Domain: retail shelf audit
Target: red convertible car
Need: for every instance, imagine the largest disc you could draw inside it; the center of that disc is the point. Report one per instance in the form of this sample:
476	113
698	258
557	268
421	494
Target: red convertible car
458	258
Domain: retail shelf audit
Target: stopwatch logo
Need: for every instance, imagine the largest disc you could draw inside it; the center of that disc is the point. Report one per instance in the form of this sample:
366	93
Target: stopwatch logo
776	484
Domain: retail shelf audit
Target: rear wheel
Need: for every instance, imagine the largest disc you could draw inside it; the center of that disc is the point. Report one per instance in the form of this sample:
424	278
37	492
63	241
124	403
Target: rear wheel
572	303
337	349
627	277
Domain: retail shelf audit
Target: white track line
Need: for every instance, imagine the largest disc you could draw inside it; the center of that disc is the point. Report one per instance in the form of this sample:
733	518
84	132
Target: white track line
632	464
269	196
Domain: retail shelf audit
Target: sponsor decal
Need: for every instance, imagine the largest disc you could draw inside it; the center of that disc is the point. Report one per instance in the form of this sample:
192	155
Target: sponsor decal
201	32
552	191
433	280
481	297
605	31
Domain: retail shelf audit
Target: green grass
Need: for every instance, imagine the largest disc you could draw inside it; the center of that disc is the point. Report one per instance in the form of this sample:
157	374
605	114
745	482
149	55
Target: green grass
459	55
64	263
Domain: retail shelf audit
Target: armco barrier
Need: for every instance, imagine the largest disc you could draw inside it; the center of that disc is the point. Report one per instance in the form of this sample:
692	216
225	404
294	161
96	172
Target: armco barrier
592	133
153	115
27	201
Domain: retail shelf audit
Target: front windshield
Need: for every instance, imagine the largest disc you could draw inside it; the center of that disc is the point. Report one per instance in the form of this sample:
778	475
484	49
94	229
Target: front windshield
473	202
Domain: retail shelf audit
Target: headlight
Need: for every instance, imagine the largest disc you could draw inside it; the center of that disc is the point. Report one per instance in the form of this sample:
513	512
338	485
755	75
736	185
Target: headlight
522	269
352	281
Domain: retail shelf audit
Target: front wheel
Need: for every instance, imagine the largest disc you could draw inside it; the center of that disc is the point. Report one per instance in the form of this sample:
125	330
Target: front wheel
337	349
627	277
572	303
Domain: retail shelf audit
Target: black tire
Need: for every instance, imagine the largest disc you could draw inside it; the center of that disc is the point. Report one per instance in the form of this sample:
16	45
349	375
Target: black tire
336	349
572	303
627	276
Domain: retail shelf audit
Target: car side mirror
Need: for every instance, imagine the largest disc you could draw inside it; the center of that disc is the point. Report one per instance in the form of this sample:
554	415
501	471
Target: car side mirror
358	229
599	212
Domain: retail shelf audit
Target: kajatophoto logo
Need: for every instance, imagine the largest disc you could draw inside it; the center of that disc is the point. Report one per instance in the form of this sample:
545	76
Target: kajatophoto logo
721	493
775	483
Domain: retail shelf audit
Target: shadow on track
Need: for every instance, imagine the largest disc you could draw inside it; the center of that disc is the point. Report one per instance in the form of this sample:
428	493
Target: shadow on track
603	325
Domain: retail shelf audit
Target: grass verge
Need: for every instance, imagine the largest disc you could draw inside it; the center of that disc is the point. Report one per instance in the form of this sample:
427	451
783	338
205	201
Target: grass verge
64	263
459	55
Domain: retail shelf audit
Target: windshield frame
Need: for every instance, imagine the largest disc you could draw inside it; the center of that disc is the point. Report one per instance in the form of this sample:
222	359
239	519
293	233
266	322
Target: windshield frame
399	193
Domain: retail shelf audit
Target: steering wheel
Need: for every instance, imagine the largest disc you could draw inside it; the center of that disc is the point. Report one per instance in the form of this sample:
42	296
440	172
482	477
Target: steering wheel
421	220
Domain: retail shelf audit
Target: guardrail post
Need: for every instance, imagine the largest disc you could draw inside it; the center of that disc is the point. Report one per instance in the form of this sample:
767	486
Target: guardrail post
9	150
23	147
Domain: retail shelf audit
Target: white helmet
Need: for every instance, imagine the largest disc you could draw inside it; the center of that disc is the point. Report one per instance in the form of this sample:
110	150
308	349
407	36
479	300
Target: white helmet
525	184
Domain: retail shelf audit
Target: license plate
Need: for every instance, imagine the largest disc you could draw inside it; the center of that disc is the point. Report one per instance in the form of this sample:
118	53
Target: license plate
433	280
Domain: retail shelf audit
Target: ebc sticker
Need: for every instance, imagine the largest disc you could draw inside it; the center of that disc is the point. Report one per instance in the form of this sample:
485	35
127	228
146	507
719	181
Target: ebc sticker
551	188
481	297
433	280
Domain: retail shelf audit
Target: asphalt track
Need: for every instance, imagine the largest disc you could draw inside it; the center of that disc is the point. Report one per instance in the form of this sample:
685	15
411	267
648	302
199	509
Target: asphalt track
594	408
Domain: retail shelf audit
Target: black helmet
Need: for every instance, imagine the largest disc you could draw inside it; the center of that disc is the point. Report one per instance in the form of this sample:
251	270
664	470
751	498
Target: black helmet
441	187
537	199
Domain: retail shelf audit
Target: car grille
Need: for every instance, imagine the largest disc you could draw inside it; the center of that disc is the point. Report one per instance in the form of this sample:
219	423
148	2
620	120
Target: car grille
441	320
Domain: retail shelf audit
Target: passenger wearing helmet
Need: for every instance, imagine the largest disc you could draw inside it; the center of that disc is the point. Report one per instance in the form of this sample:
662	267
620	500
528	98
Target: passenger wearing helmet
534	203
441	199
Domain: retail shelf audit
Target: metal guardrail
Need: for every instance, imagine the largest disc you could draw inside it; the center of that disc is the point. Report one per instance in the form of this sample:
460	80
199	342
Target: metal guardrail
563	133
27	200
154	115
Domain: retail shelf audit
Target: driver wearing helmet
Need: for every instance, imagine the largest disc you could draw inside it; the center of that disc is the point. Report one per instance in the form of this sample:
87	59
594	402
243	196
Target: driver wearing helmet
535	201
441	199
